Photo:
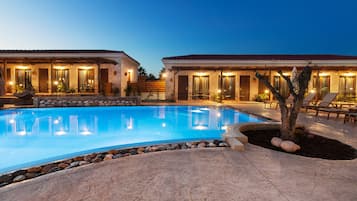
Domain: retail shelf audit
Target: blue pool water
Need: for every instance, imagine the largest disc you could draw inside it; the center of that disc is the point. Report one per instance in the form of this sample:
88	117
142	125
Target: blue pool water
34	136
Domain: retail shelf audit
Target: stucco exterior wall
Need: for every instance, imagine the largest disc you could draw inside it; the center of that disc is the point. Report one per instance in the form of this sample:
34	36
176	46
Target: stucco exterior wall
173	73
129	72
106	60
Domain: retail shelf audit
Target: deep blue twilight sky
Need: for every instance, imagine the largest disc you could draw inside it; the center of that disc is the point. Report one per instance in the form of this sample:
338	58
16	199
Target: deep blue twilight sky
150	30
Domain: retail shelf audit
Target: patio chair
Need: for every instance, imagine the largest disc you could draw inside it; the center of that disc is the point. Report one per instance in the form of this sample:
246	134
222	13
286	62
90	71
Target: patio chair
324	103
308	99
351	115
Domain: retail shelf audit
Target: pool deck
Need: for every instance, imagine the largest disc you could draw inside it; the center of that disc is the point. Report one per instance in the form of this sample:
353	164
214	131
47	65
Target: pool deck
207	174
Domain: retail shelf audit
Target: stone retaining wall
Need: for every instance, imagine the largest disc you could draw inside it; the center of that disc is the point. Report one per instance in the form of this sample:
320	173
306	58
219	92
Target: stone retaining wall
77	101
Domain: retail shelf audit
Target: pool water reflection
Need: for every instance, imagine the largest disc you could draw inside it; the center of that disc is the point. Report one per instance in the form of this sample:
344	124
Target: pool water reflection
34	136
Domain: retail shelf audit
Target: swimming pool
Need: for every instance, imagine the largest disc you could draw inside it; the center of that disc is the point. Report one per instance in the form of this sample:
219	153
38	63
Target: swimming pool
31	137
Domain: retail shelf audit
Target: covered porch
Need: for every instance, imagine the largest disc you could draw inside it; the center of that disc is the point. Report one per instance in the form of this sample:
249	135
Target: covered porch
55	76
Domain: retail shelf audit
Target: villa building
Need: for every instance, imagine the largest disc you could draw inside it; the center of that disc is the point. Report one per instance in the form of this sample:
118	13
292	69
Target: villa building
232	77
63	71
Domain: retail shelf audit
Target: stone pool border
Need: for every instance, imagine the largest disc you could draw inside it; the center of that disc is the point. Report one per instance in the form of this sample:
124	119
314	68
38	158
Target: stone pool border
36	171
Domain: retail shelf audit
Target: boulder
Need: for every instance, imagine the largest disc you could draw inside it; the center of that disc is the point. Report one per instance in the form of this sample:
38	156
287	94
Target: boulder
289	146
108	157
275	141
34	169
19	178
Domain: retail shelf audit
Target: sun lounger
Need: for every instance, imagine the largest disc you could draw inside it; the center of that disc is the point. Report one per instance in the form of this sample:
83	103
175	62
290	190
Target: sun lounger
325	103
330	110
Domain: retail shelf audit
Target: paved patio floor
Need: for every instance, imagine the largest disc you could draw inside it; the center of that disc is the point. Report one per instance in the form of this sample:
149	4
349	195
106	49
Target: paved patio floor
206	174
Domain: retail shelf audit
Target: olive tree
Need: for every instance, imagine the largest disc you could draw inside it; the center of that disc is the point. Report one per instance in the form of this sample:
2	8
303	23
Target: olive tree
297	87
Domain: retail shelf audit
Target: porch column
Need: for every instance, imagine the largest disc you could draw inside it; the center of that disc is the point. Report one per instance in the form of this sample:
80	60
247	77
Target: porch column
271	82
317	84
3	79
99	79
221	87
50	77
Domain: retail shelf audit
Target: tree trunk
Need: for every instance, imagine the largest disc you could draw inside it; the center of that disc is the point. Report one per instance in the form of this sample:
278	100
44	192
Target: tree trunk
290	115
288	121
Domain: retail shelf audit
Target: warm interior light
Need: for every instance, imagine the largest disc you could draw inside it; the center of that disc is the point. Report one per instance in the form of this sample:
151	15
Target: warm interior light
11	83
349	74
85	67
130	70
22	67
200	74
228	74
266	91
219	90
55	82
59	67
323	74
164	75
312	91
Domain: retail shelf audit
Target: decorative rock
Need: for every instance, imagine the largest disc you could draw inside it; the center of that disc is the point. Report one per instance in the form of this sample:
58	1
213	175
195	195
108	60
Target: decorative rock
73	164
140	150
31	175
47	168
117	156
113	152
68	161
62	165
275	141
289	146
78	158
126	154
201	145
83	163
154	148
211	144
222	144
19	172
133	151
188	144
34	169
175	146
6	178
184	146
89	157
147	149
54	169
19	178
162	147
108	157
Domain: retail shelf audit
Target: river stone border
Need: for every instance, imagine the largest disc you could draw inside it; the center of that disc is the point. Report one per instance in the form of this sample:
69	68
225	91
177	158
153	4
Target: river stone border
80	101
32	172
